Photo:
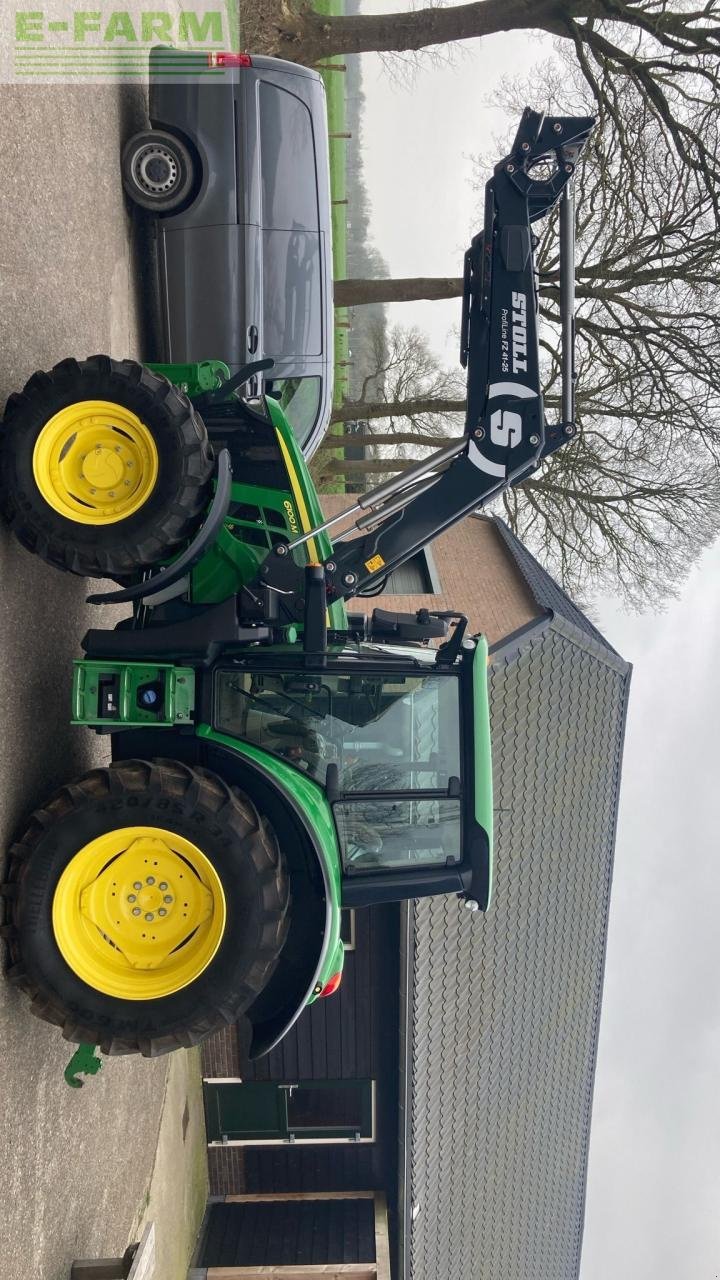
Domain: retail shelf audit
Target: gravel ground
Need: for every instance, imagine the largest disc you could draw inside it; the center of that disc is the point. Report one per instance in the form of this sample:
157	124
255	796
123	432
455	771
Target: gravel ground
76	1163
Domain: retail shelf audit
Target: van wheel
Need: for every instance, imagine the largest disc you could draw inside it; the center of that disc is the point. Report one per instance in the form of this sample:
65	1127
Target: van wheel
148	907
158	170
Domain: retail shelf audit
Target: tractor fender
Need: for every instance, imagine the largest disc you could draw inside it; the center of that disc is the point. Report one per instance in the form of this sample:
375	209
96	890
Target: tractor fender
312	950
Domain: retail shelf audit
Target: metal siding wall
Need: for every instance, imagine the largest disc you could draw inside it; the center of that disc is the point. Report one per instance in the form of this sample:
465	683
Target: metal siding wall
505	1008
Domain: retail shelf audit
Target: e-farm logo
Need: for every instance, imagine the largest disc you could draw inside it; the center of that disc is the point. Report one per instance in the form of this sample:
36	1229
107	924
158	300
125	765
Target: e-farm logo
65	41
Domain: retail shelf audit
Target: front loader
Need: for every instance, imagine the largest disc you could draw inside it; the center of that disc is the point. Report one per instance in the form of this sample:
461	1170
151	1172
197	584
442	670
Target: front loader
274	756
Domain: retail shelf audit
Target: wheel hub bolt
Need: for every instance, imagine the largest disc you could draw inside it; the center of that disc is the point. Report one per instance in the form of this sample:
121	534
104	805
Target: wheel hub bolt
137	884
150	880
162	911
167	898
162	885
137	911
132	897
149	916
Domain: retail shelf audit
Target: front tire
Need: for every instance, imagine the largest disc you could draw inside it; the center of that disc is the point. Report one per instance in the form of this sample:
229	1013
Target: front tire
149	907
104	467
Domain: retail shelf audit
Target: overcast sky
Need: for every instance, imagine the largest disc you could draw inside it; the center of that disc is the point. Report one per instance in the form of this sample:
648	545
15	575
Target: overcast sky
653	1206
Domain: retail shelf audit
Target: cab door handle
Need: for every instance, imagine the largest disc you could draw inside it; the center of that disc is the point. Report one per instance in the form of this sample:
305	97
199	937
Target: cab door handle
252	339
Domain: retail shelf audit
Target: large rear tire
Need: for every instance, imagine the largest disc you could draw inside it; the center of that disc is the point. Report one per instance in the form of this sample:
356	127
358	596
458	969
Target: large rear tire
148	907
104	467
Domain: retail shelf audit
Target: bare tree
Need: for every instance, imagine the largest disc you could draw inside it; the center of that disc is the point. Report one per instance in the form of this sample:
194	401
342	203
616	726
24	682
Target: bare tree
648	290
405	380
669	52
415	402
415	407
360	292
618	519
636	498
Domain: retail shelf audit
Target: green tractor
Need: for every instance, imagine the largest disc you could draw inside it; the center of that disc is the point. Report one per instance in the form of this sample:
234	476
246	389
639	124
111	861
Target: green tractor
274	756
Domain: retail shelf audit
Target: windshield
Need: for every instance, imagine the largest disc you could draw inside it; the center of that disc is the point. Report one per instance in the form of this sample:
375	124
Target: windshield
388	735
299	399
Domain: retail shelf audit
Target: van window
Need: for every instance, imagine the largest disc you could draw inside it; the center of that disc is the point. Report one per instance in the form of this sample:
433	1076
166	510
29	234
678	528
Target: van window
299	399
292	300
289	183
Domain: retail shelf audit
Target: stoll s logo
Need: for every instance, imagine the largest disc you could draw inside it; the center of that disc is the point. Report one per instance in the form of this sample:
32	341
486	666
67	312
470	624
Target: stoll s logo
64	40
505	428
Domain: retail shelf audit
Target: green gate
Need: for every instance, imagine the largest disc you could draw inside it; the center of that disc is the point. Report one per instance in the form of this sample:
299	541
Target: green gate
310	1111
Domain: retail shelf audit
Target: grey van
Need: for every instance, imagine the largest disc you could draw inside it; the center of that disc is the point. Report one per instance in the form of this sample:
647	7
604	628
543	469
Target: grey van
238	168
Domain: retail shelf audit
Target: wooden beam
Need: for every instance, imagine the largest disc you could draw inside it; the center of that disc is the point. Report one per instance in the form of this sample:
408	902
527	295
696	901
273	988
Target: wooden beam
143	1265
331	66
98	1269
301	1271
382	1240
137	1262
339	135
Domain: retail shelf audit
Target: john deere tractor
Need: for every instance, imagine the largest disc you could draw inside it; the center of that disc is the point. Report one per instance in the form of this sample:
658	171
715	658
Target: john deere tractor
274	756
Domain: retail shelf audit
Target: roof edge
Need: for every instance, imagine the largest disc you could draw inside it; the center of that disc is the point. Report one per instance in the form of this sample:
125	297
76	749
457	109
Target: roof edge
601	986
584	640
512	643
520	556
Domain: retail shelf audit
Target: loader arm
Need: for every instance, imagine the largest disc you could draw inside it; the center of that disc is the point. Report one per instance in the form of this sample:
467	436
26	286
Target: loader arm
505	434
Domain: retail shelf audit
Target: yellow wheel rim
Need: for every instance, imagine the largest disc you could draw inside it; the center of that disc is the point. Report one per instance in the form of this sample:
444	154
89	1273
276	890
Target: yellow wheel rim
139	913
95	462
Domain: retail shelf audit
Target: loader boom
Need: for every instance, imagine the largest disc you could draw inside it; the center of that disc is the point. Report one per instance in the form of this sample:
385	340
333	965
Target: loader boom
506	435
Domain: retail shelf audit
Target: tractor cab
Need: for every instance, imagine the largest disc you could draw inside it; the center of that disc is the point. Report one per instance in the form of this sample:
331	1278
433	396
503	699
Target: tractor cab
398	741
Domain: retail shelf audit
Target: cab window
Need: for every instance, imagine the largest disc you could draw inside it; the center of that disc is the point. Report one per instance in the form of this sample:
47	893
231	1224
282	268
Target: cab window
392	833
394	742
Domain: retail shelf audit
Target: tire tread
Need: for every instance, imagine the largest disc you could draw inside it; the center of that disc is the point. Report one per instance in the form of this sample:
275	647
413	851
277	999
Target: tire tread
49	535
200	788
